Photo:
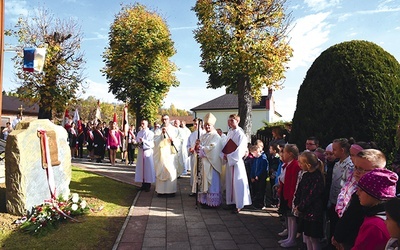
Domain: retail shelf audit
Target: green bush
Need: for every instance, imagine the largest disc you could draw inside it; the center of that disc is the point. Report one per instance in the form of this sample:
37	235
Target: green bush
351	90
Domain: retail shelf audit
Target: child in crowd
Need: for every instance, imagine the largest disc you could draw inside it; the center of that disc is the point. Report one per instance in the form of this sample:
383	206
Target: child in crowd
375	187
290	172
393	223
308	202
353	215
330	161
258	175
340	174
350	185
273	163
113	142
248	162
260	144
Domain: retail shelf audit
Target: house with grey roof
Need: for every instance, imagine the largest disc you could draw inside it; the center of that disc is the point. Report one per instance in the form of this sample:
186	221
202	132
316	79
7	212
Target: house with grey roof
12	105
225	105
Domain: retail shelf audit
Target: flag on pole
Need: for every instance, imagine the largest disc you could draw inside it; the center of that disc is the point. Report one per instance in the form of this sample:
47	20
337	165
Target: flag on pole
115	117
65	120
97	116
77	121
76	116
125	124
34	59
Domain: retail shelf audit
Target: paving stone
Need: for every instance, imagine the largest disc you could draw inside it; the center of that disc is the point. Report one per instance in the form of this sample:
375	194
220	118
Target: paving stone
200	240
221	236
177	236
154	242
198	232
155	233
178	245
225	244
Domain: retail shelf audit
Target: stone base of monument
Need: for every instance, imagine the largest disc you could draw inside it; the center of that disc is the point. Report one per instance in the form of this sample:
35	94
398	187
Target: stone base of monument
28	181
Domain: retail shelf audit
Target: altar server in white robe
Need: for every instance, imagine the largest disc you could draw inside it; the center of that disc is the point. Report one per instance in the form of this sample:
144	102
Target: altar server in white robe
191	143
237	185
208	166
166	158
145	172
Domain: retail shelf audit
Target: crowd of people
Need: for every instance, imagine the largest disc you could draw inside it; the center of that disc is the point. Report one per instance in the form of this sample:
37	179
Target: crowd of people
340	197
336	198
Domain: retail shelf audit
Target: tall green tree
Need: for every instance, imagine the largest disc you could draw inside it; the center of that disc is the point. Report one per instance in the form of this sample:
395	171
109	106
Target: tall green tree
138	68
351	90
63	69
244	47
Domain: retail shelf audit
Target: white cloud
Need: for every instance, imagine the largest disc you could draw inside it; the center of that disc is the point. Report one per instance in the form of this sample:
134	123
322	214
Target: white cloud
318	5
189	97
307	37
97	36
184	28
379	10
100	91
285	102
344	17
15	8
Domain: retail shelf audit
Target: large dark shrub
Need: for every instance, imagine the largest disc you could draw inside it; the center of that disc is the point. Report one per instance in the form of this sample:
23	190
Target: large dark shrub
351	90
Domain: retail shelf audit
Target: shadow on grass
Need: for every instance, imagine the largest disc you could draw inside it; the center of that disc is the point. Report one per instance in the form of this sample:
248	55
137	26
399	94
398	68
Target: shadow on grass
3	200
97	230
103	189
92	233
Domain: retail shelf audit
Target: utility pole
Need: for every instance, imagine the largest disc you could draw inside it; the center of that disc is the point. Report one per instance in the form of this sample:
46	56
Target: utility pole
1	53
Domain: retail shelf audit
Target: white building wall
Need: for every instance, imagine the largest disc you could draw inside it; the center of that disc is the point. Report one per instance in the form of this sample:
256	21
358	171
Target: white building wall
258	116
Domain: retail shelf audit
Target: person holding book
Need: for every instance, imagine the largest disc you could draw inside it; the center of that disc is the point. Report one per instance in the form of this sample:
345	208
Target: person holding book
235	148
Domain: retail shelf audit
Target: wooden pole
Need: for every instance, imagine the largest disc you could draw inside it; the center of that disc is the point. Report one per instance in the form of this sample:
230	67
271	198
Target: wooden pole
1	52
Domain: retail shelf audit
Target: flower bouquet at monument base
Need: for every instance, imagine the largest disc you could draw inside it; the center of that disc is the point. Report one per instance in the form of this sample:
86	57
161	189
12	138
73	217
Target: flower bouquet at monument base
47	216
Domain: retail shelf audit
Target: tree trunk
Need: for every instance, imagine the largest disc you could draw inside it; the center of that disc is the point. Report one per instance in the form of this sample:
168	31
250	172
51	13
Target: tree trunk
245	105
45	114
45	106
139	119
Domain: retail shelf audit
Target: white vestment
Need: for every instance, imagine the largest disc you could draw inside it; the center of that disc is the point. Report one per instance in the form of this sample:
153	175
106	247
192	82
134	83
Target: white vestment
209	186
145	172
185	151
182	152
166	160
237	185
191	157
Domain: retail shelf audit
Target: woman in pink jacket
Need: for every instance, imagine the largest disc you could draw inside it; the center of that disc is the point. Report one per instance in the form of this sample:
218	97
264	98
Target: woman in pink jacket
113	142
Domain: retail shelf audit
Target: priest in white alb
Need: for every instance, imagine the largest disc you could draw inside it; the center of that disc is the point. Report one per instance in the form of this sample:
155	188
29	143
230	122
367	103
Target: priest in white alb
166	159
145	172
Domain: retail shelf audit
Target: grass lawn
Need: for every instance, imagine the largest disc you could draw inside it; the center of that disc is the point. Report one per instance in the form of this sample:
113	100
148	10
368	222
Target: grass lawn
97	230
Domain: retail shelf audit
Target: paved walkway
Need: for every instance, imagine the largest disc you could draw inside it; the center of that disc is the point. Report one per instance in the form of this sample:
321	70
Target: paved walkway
176	223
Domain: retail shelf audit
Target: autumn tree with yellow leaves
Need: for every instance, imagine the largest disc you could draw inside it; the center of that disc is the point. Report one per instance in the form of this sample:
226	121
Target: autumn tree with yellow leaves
138	69
244	46
62	74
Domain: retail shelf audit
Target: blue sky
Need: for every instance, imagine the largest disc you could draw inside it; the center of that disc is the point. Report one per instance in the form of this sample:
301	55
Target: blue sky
318	24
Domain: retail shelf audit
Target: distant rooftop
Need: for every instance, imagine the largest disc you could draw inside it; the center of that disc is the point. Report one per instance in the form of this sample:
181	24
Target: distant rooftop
12	105
230	101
